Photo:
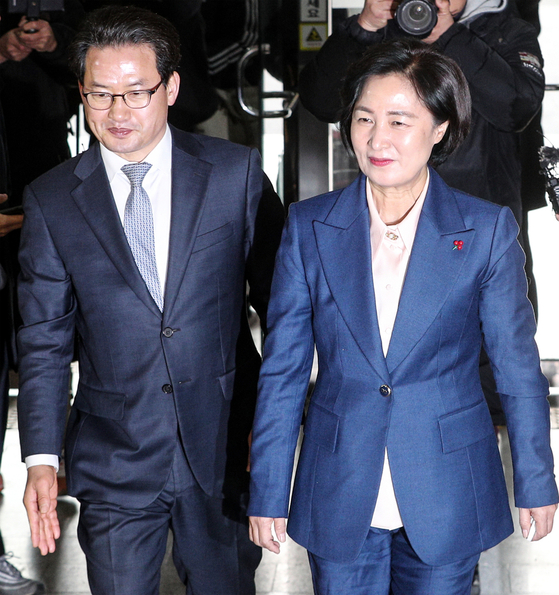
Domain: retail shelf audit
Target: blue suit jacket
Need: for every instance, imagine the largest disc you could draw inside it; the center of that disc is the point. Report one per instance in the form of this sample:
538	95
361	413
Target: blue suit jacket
78	277
443	454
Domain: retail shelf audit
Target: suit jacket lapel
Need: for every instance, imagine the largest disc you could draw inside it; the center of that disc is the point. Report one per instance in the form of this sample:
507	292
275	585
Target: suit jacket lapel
433	268
95	200
190	181
343	241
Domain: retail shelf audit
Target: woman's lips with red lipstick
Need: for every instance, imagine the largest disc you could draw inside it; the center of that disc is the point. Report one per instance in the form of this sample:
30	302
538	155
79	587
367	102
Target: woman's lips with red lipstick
380	162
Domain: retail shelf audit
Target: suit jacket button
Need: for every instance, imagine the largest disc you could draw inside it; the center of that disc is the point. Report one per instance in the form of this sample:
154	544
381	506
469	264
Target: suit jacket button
167	388
168	332
385	390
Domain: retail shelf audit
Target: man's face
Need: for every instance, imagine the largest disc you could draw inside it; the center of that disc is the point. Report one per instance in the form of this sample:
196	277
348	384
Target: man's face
130	133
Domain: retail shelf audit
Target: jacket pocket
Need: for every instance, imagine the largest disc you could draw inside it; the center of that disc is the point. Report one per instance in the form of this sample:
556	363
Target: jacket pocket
322	426
465	427
213	237
100	403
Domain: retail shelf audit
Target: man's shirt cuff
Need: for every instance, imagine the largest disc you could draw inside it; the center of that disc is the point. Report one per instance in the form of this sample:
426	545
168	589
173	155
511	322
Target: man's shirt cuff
33	460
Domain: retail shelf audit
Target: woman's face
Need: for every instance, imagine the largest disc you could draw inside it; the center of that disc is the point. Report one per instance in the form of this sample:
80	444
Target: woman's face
393	133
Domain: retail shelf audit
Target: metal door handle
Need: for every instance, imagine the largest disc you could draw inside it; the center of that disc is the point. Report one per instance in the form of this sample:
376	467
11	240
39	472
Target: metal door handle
290	97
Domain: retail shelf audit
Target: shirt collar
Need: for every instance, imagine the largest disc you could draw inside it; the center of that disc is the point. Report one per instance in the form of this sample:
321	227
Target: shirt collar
160	157
406	228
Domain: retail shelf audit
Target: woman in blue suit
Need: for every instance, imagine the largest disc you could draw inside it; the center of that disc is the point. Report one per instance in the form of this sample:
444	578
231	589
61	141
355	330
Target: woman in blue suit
397	281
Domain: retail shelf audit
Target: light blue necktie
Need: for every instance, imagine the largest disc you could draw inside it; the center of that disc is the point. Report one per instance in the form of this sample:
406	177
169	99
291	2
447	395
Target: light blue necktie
138	227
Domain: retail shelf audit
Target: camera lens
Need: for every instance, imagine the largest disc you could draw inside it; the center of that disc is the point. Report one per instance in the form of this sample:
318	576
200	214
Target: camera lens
416	17
418	14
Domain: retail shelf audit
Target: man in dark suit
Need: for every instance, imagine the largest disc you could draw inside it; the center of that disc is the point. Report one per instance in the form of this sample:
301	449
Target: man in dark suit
141	248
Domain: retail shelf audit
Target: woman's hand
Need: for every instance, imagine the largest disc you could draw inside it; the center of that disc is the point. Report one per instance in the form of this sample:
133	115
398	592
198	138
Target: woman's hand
260	532
543	518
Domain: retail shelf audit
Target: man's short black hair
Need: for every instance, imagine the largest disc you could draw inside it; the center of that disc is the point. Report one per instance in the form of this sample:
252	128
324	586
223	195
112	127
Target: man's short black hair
438	81
118	26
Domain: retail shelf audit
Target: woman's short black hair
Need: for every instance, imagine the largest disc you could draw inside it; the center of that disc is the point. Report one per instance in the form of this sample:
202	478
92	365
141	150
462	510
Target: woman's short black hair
437	80
118	26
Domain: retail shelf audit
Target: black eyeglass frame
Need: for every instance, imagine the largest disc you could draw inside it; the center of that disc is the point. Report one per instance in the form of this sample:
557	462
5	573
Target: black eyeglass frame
151	92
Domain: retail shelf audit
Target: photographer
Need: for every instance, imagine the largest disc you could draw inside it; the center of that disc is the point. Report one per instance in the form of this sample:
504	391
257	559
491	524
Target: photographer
11	580
36	90
500	57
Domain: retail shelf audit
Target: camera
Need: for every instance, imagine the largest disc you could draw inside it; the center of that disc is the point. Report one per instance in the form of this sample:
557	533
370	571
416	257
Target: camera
33	8
417	17
549	165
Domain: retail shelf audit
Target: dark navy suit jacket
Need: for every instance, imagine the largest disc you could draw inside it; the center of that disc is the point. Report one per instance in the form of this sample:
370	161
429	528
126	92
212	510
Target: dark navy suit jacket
146	378
423	402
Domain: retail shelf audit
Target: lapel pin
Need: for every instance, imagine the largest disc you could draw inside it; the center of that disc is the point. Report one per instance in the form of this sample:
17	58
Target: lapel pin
458	245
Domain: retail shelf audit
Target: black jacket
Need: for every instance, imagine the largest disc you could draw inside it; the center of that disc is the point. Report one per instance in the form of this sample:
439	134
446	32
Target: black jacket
35	95
501	59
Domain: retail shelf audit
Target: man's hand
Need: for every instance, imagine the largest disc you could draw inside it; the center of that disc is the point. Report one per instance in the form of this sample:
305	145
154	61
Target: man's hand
12	48
375	14
445	20
8	222
41	41
543	517
40	502
260	532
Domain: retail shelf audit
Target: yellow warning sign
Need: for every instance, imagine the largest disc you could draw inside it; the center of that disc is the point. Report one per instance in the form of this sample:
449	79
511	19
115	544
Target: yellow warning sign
312	35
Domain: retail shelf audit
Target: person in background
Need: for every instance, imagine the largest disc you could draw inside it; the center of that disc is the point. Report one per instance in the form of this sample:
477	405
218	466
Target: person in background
37	91
533	182
11	580
9	223
398	280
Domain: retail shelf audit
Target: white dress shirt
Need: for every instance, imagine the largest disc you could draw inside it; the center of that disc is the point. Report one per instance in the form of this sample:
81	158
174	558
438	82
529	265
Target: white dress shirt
388	280
157	184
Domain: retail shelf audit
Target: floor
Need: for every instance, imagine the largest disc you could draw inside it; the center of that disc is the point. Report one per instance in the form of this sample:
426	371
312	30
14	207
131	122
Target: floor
515	567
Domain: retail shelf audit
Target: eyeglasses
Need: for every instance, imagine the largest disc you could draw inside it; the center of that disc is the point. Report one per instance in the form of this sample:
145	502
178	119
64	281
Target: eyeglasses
133	99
